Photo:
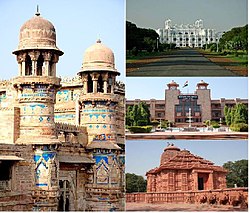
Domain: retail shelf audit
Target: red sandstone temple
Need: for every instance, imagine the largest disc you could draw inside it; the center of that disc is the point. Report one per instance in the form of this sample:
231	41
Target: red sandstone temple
181	170
183	177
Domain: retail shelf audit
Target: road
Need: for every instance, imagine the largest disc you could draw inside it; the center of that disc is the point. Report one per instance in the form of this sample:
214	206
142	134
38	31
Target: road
184	62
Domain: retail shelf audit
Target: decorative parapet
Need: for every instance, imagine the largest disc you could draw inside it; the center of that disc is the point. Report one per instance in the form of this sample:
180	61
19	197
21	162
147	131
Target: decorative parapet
119	87
5	83
64	127
5	109
49	80
228	196
99	97
71	81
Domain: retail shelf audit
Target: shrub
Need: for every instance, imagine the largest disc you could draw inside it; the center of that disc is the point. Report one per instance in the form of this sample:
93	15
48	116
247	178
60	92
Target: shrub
240	127
215	124
140	129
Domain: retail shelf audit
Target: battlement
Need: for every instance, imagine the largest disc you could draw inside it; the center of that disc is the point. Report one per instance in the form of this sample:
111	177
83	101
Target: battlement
64	127
71	81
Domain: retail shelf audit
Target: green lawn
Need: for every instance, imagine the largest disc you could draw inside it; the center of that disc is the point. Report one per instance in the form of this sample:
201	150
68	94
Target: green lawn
143	55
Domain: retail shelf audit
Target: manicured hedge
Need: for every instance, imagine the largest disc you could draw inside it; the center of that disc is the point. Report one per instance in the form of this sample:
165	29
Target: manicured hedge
240	127
140	129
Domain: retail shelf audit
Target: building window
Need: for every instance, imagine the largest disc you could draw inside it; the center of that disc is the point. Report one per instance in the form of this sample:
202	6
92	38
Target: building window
5	168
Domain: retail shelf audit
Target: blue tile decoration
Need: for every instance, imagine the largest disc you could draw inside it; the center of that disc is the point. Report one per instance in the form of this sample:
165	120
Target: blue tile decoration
64	116
36	157
41	159
41	184
48	119
40	119
97	126
104	126
90	126
103	116
98	158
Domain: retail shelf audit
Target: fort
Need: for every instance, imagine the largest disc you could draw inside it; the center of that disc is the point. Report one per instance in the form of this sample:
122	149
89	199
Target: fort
62	140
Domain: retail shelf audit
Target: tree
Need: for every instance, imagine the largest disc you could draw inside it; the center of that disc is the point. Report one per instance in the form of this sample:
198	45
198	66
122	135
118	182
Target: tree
138	115
237	173
237	114
241	113
129	117
227	113
135	183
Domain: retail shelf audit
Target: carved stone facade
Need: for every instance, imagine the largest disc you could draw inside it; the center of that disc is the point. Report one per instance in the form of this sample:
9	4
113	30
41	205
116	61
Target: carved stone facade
180	170
51	158
183	177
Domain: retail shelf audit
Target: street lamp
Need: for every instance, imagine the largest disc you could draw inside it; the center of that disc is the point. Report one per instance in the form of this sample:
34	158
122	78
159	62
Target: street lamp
157	44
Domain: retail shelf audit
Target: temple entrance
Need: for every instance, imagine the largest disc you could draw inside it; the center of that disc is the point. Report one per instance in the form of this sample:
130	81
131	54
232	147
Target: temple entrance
64	195
200	183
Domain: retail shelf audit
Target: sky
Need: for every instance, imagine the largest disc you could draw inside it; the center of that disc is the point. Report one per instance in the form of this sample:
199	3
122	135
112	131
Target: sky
154	87
221	15
143	155
78	24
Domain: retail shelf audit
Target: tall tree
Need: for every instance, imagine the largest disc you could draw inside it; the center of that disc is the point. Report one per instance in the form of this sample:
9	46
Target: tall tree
237	173
135	183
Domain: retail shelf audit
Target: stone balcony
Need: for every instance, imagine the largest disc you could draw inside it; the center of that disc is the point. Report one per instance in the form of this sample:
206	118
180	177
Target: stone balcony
49	80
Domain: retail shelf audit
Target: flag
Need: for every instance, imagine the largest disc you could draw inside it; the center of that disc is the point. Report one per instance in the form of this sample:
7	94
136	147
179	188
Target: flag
185	85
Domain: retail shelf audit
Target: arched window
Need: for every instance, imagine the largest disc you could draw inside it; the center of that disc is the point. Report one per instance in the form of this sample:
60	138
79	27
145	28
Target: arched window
110	82
40	67
28	65
100	84
90	84
51	66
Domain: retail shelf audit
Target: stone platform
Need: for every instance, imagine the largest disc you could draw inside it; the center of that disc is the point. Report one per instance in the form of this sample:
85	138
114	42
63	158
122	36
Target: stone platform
179	207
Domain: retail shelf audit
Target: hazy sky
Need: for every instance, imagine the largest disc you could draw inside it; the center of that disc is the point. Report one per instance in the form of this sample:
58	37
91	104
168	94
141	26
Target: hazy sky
143	155
221	15
78	23
221	87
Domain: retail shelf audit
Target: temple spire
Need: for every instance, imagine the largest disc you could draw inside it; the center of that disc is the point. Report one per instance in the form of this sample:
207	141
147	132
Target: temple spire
37	11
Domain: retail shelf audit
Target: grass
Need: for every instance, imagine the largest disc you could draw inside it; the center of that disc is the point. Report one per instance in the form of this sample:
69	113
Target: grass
234	61
240	56
143	55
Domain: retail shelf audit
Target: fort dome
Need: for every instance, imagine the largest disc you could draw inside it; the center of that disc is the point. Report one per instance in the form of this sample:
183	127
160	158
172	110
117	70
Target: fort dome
98	57
37	33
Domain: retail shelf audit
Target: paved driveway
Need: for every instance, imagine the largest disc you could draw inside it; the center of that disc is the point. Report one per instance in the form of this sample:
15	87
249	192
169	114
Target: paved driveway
184	62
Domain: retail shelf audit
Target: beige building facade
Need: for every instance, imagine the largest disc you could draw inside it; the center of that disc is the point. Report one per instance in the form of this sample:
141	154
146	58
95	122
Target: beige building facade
61	140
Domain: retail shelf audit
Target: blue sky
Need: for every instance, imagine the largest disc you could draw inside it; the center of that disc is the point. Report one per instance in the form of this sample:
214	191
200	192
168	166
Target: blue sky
143	155
154	87
78	23
220	15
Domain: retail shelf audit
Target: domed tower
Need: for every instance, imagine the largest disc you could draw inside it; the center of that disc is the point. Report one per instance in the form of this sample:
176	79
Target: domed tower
171	99
36	83
99	105
98	100
204	100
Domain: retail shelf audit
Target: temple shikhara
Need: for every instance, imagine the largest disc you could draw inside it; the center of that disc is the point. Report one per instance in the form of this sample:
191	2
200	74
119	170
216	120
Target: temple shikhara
183	177
61	140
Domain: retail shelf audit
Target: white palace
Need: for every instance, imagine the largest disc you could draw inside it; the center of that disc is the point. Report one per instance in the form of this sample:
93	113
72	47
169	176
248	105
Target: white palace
186	35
